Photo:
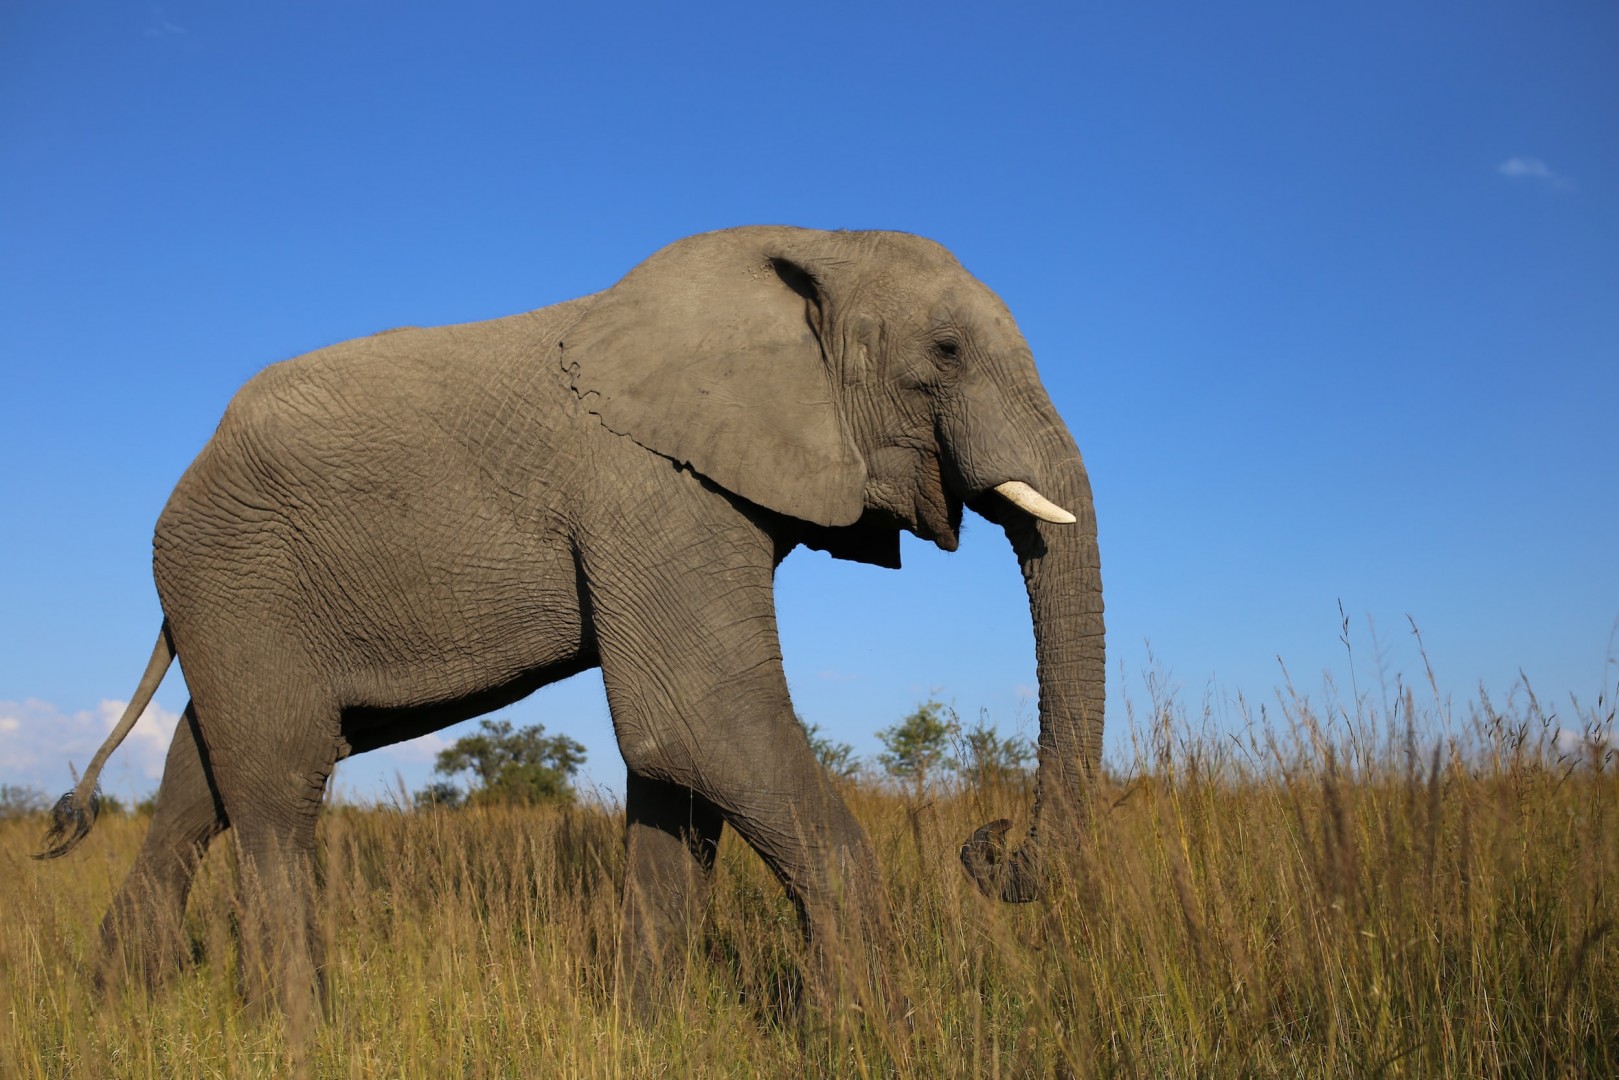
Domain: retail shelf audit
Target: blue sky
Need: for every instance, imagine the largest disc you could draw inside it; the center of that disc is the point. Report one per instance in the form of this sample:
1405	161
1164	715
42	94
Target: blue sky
1328	295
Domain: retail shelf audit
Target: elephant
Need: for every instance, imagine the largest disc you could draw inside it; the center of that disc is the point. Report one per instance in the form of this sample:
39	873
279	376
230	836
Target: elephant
396	533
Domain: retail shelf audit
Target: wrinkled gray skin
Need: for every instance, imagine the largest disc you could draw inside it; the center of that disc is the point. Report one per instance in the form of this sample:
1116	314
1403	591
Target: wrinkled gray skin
396	533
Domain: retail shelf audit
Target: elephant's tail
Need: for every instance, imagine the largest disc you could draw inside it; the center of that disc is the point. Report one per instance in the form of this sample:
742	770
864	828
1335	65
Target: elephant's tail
75	812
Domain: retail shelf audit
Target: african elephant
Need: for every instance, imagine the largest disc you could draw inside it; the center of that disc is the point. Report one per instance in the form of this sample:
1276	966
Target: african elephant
399	532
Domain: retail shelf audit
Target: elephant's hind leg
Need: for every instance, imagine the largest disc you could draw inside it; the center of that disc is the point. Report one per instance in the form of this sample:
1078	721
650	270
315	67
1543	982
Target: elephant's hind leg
143	932
271	766
671	840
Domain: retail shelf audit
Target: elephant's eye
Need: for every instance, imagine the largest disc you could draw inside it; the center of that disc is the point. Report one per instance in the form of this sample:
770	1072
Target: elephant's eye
947	350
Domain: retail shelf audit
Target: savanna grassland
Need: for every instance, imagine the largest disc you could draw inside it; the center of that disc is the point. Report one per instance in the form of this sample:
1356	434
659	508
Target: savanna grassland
1327	892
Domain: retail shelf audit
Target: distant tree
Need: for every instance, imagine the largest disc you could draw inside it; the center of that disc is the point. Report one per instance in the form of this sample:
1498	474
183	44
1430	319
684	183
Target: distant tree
440	793
919	746
508	766
837	758
21	800
111	805
988	759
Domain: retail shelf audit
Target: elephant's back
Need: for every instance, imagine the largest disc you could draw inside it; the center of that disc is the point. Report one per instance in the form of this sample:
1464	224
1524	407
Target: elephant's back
380	409
426	382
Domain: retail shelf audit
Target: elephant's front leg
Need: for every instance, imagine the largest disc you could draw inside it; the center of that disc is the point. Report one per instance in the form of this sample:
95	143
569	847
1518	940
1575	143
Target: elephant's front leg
685	622
671	840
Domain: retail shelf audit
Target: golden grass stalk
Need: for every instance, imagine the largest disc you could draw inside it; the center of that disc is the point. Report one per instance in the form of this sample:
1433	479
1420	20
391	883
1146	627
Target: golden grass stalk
1350	891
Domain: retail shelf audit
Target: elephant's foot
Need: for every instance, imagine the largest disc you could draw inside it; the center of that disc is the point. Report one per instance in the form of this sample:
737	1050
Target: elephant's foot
281	981
143	940
282	951
654	956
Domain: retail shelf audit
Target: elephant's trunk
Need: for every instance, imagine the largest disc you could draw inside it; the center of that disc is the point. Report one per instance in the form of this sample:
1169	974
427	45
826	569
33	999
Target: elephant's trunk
1062	572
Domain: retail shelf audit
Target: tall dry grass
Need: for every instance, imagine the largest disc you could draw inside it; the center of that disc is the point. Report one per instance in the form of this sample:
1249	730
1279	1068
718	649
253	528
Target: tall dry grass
1322	891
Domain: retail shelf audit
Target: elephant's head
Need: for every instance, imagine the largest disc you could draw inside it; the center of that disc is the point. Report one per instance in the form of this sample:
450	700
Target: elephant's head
861	382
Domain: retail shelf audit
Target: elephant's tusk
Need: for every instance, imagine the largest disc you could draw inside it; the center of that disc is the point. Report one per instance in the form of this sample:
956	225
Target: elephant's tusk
1026	498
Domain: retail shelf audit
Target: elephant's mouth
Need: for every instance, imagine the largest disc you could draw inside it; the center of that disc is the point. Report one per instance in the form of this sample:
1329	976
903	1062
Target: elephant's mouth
937	513
941	525
938	507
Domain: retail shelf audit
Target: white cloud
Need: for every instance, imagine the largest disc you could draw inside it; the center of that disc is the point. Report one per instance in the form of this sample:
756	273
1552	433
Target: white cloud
38	741
1528	168
422	749
1575	745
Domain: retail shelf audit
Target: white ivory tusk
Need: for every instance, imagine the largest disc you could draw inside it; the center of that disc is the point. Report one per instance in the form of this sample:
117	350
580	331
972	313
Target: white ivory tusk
1025	497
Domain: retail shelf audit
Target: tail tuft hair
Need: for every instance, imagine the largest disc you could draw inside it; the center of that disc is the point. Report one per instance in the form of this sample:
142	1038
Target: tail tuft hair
70	823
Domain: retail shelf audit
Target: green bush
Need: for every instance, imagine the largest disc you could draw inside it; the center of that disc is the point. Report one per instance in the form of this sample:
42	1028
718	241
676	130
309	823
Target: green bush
522	767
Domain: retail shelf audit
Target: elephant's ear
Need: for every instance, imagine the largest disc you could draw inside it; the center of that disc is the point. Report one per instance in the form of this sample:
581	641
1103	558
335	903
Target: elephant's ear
710	353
